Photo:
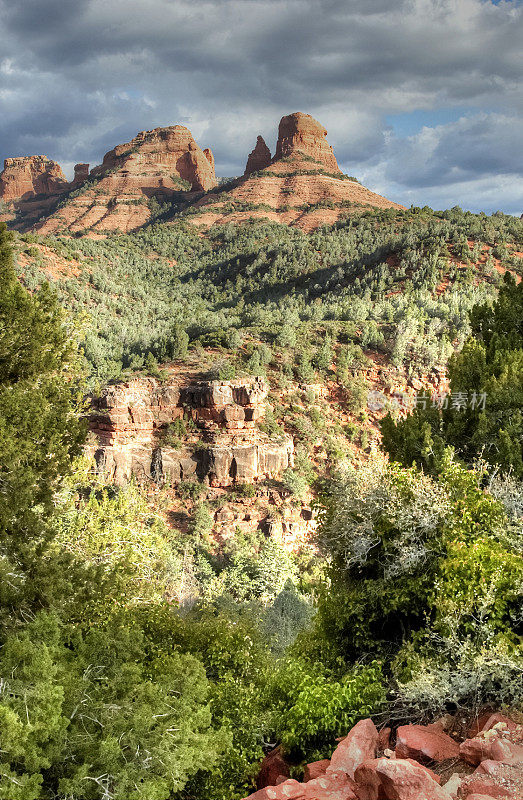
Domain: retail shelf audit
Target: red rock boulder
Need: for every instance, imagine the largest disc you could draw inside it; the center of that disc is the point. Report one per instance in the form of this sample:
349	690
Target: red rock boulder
272	768
288	790
358	746
425	744
315	770
495	780
330	787
493	747
384	738
397	779
480	797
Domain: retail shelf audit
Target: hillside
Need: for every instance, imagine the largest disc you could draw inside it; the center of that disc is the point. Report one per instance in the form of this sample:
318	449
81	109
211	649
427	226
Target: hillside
233	529
376	303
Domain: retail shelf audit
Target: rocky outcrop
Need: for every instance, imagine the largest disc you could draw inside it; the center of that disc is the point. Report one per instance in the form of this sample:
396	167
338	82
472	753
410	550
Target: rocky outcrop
302	185
30	176
130	423
259	158
81	174
165	164
274	769
159	154
301	134
357	770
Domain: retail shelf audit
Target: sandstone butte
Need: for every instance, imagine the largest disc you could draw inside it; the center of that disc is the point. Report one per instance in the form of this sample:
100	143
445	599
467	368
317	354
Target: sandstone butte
427	764
29	185
301	185
162	163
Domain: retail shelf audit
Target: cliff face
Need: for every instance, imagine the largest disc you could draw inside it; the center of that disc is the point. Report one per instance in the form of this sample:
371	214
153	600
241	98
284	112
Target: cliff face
130	426
24	178
301	134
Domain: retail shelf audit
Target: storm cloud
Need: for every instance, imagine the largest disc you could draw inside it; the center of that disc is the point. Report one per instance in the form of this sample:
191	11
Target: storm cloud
422	99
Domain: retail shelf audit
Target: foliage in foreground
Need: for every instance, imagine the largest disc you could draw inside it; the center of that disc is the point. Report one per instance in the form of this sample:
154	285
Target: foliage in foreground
490	366
418	565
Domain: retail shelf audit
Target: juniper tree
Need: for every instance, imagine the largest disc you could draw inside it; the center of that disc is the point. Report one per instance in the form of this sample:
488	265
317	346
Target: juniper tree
40	430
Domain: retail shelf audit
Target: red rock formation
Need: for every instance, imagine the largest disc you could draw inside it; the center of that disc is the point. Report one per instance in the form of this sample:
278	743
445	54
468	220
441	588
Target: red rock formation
494	780
159	163
296	191
259	158
209	156
301	133
28	176
425	744
81	173
397	779
159	153
392	778
315	770
129	420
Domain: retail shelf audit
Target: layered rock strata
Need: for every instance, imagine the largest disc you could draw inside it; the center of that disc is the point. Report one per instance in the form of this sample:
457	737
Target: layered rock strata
130	426
30	176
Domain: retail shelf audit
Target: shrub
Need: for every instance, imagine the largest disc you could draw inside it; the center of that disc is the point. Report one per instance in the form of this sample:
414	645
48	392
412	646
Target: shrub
313	707
296	484
92	715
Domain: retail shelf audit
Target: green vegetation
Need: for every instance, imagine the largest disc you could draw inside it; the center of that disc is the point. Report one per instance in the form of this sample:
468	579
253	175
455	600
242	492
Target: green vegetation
377	270
427	576
142	660
483	417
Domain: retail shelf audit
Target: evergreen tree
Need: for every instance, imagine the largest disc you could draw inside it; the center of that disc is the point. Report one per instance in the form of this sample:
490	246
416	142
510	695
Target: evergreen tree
40	431
482	416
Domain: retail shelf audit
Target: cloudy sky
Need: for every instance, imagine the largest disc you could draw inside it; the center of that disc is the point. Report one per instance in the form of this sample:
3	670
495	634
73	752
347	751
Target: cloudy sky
422	99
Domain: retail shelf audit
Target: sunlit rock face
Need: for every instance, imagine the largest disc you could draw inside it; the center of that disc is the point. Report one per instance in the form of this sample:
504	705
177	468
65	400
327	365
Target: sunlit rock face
130	421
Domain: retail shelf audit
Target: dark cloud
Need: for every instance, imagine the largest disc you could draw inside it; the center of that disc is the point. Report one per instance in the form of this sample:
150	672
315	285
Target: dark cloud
79	76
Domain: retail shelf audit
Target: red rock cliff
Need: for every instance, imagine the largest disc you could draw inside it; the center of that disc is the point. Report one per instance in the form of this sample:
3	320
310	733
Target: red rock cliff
25	177
130	421
170	150
259	158
301	132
